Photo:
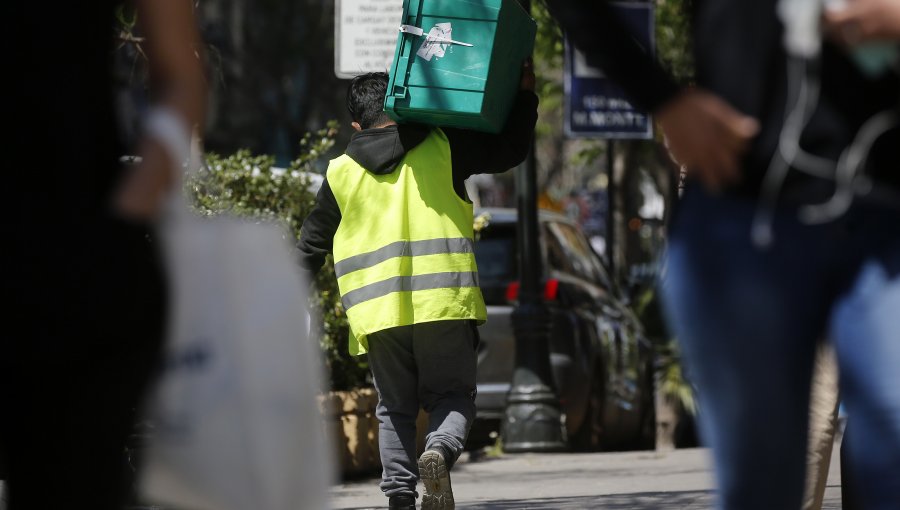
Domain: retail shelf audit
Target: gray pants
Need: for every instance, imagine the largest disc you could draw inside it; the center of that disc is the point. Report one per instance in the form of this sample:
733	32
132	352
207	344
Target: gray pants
432	366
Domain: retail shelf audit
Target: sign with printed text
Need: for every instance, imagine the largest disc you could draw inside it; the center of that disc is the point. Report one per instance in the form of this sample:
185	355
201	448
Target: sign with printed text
365	35
597	107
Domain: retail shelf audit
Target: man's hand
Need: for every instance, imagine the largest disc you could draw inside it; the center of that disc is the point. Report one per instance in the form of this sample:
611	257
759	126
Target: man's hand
863	21
707	135
528	79
145	186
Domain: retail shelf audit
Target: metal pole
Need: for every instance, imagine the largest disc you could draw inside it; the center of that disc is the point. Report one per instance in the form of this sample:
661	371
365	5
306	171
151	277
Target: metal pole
532	421
611	191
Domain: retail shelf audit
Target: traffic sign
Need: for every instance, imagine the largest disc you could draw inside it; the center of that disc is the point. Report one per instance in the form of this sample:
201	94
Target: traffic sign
365	35
597	107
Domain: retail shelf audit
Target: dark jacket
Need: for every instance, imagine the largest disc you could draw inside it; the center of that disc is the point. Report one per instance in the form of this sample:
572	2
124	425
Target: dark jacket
380	151
739	56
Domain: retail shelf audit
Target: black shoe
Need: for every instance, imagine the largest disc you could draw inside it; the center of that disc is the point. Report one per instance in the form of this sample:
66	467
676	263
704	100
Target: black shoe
435	476
402	503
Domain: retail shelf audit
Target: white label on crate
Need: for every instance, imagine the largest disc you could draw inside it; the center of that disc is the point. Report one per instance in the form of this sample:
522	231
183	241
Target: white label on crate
436	42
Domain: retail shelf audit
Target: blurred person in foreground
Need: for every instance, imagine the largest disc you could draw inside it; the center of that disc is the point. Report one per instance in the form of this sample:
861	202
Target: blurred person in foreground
394	211
790	238
853	25
83	283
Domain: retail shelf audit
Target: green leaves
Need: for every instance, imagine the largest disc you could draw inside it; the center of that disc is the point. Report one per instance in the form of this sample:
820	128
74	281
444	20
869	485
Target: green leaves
548	62
672	384
673	38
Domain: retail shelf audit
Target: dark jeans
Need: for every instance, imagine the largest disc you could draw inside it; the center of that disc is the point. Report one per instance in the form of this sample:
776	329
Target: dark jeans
432	366
748	320
86	324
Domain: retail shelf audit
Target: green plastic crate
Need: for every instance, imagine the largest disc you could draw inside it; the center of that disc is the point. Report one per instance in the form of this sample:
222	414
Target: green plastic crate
470	82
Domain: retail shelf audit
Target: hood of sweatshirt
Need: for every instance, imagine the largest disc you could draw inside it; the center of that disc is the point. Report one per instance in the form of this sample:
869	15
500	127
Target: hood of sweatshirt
380	150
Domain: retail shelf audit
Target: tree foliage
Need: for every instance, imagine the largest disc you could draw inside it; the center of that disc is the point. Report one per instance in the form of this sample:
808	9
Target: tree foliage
548	59
250	185
673	38
273	73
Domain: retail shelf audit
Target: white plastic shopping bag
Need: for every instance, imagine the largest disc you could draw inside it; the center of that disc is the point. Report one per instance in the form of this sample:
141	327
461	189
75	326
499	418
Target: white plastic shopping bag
235	418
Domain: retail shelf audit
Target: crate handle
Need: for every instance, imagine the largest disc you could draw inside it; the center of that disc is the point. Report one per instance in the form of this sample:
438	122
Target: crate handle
404	61
412	30
416	31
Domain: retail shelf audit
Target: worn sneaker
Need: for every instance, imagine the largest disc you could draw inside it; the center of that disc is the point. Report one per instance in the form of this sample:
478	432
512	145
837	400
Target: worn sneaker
435	476
402	503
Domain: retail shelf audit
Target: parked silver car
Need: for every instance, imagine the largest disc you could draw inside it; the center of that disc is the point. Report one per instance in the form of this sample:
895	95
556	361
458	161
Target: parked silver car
601	360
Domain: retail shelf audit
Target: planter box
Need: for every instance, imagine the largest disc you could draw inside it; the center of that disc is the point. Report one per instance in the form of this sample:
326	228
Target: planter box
353	428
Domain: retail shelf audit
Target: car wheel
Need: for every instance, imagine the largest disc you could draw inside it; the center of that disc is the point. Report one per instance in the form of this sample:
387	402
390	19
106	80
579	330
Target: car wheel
590	435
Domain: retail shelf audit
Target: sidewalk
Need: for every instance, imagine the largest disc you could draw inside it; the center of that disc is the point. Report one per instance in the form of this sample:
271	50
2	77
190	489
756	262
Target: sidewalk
678	480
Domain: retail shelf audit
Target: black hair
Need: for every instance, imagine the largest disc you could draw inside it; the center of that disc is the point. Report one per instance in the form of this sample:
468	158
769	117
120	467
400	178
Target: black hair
365	99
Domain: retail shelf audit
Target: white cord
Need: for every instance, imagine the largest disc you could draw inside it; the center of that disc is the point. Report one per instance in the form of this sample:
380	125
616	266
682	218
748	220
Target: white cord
802	41
852	161
761	230
846	173
791	150
802	21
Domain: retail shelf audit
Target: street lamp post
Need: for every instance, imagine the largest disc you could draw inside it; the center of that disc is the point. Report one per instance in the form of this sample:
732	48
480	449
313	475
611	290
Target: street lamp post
532	420
611	205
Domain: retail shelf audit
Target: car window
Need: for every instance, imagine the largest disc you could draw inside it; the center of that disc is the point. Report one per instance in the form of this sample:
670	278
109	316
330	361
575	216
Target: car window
583	260
573	261
581	244
556	255
494	258
605	280
495	254
595	260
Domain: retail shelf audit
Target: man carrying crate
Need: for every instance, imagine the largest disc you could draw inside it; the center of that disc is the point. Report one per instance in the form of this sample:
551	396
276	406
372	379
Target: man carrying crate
394	211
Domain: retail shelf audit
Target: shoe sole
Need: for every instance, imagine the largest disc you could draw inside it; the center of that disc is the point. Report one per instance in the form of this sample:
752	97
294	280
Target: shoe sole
438	494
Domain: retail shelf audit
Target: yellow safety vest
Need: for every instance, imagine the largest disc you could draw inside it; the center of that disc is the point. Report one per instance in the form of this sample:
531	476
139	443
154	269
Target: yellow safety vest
404	250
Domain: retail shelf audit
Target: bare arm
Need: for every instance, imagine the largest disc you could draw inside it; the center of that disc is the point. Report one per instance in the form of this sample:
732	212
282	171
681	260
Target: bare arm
862	21
173	48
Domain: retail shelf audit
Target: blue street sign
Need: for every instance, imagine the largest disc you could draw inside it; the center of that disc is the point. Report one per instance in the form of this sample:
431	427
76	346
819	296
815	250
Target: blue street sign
595	106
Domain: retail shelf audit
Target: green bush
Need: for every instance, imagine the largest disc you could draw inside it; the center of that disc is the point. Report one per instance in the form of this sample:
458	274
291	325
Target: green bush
246	185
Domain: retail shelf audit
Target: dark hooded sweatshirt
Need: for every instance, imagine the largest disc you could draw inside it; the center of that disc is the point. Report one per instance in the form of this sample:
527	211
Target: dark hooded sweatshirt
380	150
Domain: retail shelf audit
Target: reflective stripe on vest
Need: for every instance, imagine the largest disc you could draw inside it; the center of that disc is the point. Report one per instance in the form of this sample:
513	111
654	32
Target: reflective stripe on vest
408	283
404	250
